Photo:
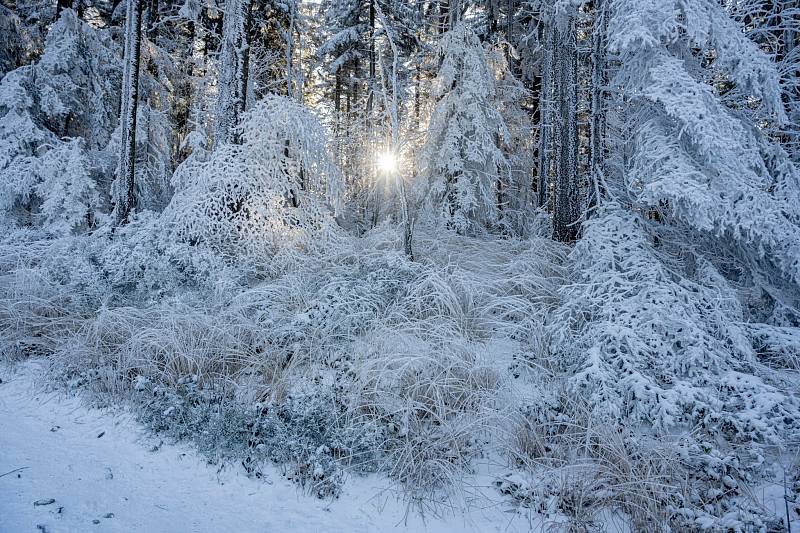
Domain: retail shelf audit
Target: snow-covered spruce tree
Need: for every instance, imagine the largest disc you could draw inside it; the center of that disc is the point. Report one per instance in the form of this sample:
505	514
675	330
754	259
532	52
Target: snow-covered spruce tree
344	51
703	163
275	190
71	198
48	106
696	242
775	26
463	156
346	38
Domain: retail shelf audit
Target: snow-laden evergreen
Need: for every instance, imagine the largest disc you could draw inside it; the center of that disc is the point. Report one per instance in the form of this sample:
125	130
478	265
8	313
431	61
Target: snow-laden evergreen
64	104
463	156
638	362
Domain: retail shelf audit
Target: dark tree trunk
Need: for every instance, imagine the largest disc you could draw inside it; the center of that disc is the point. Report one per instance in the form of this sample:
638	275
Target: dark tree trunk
567	201
130	101
546	117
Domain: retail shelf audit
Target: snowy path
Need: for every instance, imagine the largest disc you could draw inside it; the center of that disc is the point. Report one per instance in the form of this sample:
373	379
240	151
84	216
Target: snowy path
112	483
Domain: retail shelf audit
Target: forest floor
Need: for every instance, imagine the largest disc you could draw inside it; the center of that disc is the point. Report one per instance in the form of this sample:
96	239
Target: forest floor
105	474
440	375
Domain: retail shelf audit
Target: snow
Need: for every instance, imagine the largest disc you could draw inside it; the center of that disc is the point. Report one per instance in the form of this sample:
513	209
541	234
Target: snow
97	465
256	304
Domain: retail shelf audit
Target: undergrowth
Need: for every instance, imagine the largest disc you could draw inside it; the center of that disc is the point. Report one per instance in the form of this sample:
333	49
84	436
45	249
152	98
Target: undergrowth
356	360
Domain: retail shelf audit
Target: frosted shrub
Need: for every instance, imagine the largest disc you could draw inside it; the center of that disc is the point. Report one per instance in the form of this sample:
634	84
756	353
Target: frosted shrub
142	262
213	376
435	399
276	189
307	432
47	289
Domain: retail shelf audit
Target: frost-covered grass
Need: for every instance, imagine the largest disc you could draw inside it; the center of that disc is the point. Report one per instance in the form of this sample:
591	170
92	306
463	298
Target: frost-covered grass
353	359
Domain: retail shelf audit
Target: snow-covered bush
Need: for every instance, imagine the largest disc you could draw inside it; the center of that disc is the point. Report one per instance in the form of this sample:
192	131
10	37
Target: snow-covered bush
141	261
652	337
277	189
434	397
357	359
48	288
573	468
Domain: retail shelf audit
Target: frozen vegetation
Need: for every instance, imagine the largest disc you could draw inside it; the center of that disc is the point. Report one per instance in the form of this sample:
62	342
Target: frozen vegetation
537	258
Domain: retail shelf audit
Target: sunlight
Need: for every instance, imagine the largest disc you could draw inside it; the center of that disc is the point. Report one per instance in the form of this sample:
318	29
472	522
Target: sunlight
387	162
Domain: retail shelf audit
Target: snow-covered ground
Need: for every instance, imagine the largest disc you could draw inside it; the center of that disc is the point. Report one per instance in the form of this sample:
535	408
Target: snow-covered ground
105	475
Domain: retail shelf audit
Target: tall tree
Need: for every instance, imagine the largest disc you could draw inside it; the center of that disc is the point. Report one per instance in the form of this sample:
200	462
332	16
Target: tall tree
558	181
567	201
233	71
130	101
464	152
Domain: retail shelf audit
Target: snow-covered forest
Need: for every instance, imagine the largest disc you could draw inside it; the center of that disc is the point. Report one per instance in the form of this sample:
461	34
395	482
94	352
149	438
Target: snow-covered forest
539	255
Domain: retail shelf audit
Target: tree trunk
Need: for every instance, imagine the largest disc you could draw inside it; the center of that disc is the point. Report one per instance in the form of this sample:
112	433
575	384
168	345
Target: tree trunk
599	82
546	118
510	21
491	19
130	100
290	56
371	88
567	200
234	65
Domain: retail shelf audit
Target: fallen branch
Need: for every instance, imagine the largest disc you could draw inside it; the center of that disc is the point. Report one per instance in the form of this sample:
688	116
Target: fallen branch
15	470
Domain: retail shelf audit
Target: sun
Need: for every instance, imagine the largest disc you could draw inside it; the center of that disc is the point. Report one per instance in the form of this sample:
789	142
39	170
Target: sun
387	162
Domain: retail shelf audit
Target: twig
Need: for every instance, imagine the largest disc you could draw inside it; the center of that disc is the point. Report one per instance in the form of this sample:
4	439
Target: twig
786	503
15	470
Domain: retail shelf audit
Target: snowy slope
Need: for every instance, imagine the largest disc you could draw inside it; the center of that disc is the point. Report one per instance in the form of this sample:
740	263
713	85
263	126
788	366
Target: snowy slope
113	479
